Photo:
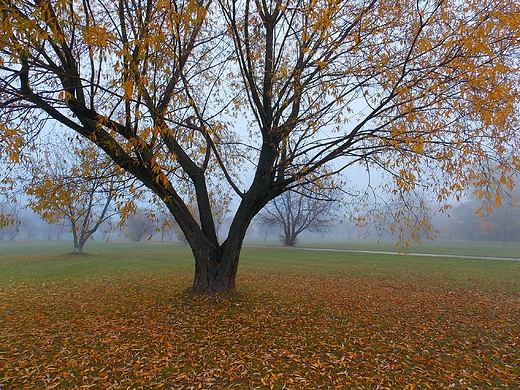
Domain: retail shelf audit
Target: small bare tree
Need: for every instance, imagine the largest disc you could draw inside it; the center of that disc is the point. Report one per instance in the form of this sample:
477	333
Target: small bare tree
295	212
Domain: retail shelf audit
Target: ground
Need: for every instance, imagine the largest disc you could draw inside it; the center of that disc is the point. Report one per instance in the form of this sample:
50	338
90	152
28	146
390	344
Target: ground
318	320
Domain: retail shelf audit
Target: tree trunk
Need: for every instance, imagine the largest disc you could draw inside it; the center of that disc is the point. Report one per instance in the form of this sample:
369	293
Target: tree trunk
79	241
216	264
289	240
216	268
289	236
78	248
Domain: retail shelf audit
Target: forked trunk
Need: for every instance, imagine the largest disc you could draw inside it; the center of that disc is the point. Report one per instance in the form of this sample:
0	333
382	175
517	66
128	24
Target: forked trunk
216	264
78	245
289	236
216	268
79	241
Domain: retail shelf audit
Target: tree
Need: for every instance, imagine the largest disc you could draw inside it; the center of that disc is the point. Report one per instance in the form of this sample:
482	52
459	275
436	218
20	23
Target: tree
77	186
502	221
9	208
426	90
29	224
487	229
138	224
165	222
11	226
467	221
295	213
506	218
53	230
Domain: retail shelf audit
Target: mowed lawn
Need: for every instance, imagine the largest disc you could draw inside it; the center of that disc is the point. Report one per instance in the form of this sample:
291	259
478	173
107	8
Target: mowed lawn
117	318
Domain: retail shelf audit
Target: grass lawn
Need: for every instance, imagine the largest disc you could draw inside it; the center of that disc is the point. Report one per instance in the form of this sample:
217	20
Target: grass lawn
117	318
458	248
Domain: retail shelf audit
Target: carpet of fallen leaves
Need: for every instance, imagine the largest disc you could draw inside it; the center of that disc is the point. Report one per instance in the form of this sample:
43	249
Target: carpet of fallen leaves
284	332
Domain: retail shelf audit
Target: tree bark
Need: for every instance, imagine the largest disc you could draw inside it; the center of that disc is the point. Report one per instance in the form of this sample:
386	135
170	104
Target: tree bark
79	241
289	240
78	248
216	267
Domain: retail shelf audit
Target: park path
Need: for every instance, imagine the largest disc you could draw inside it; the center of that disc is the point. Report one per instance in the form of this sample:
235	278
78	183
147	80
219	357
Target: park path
390	253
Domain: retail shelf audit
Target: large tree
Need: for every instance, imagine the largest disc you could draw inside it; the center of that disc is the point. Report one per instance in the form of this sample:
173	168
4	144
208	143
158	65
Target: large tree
426	90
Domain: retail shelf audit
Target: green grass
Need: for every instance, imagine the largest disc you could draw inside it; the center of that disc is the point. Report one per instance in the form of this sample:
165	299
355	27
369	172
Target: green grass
494	274
53	260
22	262
461	248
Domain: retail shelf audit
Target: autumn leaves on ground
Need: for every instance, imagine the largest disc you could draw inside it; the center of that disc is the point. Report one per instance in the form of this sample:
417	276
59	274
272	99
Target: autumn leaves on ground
289	329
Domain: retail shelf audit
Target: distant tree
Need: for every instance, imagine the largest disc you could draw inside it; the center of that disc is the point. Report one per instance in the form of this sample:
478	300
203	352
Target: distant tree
487	229
396	216
29	224
344	228
295	212
467	220
75	185
9	208
138	225
54	230
10	225
5	217
220	209
10	231
506	217
164	222
498	217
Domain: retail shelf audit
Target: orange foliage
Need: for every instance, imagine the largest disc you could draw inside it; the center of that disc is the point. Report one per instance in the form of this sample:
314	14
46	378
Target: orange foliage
487	229
315	332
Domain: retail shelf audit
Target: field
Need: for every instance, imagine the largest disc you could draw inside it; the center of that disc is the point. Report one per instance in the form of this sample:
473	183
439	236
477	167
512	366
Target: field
117	318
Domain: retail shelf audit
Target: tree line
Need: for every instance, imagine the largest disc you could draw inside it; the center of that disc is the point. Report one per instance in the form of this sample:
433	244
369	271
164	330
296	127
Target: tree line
78	194
77	191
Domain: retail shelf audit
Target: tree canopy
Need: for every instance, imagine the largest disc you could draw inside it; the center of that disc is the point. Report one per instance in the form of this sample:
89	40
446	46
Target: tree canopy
426	90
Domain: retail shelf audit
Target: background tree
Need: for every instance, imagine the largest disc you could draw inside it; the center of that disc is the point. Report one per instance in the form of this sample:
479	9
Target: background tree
487	229
506	218
467	221
9	207
220	208
77	186
426	90
295	212
29	224
138	225
165	222
54	230
475	218
11	226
